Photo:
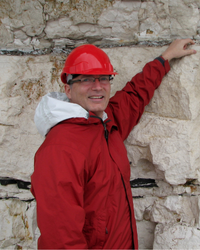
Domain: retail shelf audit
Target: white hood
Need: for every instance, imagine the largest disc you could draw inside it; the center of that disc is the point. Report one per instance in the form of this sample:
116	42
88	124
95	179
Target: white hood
54	108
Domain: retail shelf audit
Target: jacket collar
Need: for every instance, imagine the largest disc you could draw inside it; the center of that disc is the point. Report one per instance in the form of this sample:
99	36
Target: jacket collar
55	108
108	122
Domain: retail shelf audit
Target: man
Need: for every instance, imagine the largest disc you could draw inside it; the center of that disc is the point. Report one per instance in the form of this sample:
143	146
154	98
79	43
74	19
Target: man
81	177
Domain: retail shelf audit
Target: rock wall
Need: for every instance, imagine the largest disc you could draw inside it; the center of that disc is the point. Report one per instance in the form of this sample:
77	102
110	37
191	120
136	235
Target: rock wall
35	38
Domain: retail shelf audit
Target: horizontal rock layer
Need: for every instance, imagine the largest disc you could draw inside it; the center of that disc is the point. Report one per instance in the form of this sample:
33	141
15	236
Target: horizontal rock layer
42	26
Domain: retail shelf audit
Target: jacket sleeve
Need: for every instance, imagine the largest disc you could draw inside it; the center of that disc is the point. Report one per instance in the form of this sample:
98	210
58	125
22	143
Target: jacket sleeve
127	106
58	186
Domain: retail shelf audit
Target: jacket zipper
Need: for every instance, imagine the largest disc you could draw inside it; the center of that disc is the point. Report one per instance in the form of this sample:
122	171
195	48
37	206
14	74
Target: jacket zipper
105	131
104	125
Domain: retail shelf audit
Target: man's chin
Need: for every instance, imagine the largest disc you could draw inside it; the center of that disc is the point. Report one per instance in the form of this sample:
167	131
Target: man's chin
98	113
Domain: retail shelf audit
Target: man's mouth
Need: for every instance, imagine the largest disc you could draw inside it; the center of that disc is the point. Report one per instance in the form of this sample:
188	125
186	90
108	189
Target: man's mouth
96	97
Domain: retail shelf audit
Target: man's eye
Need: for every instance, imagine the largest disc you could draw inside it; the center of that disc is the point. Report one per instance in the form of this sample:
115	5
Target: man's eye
104	78
85	80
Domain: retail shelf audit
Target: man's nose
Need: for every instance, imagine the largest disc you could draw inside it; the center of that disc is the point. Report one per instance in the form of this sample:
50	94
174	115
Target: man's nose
96	84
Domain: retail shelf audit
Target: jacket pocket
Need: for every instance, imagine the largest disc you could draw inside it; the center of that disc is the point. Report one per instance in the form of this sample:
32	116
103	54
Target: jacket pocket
95	230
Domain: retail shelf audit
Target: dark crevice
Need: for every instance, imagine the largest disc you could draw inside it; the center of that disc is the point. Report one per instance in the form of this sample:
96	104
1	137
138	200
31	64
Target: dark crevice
16	198
4	181
143	183
67	49
137	197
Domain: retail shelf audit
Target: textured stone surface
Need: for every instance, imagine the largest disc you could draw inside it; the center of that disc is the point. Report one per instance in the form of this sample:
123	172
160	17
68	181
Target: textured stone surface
23	81
168	210
176	237
168	135
17	222
163	148
146	232
34	26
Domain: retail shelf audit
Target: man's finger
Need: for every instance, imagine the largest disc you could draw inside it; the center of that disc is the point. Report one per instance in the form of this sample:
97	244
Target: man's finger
188	41
190	51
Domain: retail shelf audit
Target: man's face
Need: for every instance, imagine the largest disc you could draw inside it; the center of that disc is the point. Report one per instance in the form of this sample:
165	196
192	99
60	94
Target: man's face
92	96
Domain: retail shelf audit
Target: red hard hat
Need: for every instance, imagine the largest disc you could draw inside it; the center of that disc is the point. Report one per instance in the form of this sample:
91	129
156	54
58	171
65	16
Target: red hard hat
87	60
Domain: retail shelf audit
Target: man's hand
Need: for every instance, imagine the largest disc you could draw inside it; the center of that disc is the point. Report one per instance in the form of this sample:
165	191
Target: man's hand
178	48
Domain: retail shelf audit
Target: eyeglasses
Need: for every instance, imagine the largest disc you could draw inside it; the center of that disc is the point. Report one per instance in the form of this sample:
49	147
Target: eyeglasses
90	79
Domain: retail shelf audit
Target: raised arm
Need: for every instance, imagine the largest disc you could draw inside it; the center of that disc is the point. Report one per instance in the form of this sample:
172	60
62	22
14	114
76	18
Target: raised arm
127	106
179	48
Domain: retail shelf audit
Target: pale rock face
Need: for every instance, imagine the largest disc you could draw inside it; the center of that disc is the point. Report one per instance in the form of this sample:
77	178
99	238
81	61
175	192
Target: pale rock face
17	222
24	80
5	36
175	209
175	153
177	96
143	207
61	28
182	17
164	146
168	210
103	22
167	18
27	15
167	136
176	237
122	24
146	232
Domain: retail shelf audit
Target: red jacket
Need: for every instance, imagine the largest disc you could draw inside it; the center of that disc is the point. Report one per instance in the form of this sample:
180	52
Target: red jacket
81	180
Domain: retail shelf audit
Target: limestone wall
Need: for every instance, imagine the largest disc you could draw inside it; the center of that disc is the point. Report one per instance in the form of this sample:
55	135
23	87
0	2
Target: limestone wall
163	149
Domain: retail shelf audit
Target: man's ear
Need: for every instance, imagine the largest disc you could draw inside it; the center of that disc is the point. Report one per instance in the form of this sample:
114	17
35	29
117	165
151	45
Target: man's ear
68	91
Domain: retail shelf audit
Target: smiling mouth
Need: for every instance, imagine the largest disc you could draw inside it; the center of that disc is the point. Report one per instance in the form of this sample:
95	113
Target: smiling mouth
96	97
